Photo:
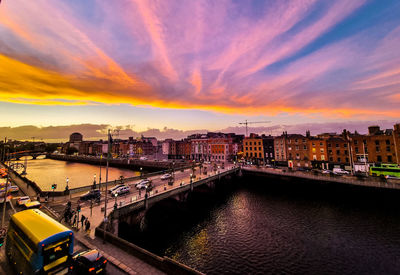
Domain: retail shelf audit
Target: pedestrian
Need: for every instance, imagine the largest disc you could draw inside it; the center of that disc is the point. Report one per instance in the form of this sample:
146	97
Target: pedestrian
87	226
74	222
82	220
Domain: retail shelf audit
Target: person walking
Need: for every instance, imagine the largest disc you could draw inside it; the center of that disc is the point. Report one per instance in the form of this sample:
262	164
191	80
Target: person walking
74	222
87	226
83	218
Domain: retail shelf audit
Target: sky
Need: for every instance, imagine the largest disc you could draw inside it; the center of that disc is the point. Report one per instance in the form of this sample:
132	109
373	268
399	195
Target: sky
185	66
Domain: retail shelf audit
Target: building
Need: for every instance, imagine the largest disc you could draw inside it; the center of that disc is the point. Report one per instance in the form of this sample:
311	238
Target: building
75	137
253	149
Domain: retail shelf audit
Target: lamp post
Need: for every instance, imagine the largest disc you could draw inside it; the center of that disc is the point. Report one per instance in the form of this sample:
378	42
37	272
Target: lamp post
115	204
141	171
67	188
94	182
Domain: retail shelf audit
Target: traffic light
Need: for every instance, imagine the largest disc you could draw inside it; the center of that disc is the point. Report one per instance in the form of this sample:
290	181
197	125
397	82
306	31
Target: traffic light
53	186
2	237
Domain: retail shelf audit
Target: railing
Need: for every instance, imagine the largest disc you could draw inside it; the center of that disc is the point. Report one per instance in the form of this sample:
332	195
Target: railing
368	181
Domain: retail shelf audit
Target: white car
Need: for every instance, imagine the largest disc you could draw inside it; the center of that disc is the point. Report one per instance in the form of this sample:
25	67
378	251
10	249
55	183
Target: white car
143	184
120	191
166	176
22	200
116	187
143	158
340	171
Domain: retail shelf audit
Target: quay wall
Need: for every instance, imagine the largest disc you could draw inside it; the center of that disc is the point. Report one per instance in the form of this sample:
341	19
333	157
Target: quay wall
375	182
165	264
121	163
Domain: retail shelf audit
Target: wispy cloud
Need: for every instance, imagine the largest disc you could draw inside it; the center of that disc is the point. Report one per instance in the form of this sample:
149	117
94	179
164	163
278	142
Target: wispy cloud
224	56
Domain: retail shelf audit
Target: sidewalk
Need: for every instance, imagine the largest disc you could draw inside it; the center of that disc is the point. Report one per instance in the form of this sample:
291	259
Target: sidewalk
118	257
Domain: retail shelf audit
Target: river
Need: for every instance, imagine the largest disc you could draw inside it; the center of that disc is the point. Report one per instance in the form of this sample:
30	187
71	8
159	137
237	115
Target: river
263	226
45	172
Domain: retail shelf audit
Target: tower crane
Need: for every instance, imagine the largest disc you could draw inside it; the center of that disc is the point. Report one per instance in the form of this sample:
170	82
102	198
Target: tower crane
252	122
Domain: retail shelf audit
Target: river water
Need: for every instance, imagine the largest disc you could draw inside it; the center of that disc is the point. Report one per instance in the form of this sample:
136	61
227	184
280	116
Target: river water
45	172
264	226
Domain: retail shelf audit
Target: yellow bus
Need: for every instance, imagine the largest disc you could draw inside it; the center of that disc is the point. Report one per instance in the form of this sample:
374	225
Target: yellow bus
38	244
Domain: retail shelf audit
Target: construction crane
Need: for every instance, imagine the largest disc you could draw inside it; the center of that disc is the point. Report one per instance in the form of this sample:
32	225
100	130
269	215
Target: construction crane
252	122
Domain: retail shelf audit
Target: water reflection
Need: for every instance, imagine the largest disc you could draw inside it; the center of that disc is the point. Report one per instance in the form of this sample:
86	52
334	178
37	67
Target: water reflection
45	172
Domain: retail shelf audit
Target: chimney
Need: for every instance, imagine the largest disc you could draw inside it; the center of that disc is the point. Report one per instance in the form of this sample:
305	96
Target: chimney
308	134
373	130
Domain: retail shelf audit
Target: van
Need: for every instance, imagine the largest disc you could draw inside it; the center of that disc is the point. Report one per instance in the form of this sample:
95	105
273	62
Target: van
340	171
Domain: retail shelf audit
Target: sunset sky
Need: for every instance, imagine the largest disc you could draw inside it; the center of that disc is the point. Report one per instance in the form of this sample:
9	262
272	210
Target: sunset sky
188	65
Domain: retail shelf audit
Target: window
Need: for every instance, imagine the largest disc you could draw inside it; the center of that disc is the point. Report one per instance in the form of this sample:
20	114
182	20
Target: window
330	152
246	142
251	148
296	140
259	143
355	142
331	159
337	152
320	144
247	149
297	147
250	143
251	154
337	145
387	142
389	158
379	158
346	152
290	148
314	157
377	148
347	159
376	142
387	148
356	149
259	154
345	145
305	147
322	150
259	148
289	141
329	145
338	159
322	157
313	150
313	144
304	140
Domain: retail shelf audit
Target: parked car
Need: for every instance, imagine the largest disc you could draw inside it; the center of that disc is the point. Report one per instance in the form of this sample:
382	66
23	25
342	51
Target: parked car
115	188
340	171
32	205
144	184
121	190
23	200
14	188
143	158
92	194
391	177
326	171
166	176
88	262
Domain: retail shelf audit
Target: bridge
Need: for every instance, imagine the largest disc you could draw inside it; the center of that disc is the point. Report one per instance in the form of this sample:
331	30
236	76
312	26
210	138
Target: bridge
33	154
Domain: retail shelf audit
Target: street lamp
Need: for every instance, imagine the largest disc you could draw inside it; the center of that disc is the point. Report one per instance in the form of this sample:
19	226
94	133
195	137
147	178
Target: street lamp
67	188
141	172
115	204
94	181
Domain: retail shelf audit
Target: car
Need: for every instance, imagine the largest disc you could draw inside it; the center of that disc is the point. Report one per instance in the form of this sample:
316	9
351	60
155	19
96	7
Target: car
92	194
143	158
23	200
166	176
121	190
32	205
14	188
144	184
115	188
326	171
88	262
340	171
